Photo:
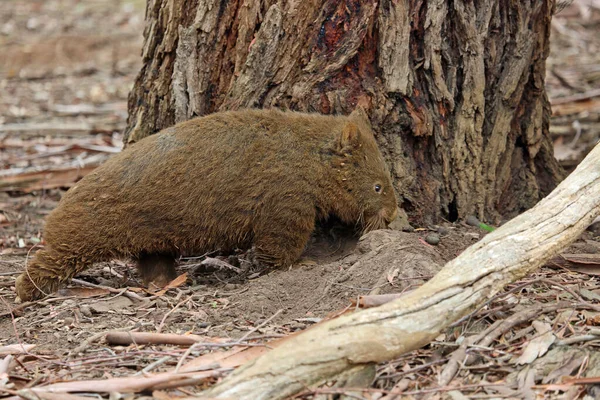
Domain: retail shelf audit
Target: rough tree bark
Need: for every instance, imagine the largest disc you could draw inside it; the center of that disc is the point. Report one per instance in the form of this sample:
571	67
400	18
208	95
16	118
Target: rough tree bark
454	89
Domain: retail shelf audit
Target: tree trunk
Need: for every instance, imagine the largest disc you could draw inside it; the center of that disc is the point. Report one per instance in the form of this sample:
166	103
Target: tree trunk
454	89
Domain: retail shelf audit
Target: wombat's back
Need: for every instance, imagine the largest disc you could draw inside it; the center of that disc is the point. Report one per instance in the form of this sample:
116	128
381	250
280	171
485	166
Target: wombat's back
197	186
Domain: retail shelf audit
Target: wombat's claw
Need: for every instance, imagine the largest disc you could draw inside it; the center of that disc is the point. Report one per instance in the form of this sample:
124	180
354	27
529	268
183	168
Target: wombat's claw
251	258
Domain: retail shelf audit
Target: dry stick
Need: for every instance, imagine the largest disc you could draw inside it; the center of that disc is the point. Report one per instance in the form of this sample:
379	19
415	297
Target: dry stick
153	365
383	333
398	392
576	97
594	307
17	310
576	339
127	293
162	322
92	339
486	337
238	342
127	338
493	299
10	273
266	321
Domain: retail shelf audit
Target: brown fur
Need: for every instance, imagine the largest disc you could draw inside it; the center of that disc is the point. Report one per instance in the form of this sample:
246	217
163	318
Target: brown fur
228	180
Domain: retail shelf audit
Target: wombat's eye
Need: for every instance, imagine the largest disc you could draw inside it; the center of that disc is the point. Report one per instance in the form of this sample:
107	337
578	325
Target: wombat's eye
378	188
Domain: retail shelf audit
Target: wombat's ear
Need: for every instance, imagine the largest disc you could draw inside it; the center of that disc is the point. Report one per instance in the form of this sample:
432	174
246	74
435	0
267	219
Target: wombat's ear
359	114
349	137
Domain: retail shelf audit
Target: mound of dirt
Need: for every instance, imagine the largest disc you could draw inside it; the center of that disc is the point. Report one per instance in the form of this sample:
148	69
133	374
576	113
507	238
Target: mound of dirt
384	261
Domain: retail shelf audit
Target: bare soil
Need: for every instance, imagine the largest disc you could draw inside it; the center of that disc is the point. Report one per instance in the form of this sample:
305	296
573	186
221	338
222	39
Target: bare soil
69	66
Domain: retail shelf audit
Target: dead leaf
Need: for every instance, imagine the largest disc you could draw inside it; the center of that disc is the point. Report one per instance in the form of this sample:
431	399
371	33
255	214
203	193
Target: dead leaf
590	259
570	364
583	263
591	318
82	292
589	295
539	345
58	396
180	280
525	382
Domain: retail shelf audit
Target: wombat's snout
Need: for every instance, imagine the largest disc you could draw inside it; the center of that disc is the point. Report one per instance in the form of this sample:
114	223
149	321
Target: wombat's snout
389	217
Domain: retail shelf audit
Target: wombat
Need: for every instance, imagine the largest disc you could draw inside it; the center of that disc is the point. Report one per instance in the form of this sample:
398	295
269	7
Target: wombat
228	180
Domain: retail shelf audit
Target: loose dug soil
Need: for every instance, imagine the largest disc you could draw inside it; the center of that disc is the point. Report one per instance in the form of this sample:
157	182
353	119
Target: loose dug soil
69	66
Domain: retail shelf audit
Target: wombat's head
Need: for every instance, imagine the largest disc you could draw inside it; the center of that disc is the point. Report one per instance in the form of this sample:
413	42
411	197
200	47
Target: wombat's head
364	175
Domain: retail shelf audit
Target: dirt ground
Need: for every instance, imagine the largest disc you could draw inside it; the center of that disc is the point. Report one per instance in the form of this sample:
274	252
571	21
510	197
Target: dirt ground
66	71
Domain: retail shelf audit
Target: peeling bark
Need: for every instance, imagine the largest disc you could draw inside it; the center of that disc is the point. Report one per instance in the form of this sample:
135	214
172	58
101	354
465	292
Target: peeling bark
454	89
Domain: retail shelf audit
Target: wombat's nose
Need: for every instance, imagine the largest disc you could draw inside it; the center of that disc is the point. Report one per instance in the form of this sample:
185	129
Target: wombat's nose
389	217
393	216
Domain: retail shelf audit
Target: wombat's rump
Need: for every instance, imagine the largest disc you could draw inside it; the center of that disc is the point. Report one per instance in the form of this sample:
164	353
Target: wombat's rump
228	180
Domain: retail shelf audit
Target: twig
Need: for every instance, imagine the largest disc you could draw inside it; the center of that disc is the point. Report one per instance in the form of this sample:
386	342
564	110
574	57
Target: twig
459	356
576	339
162	322
127	293
344	390
153	365
251	331
576	97
17	310
413	370
572	293
93	338
42	126
10	273
493	299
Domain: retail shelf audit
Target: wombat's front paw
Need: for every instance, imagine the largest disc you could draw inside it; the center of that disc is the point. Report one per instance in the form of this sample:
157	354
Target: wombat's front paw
26	290
251	259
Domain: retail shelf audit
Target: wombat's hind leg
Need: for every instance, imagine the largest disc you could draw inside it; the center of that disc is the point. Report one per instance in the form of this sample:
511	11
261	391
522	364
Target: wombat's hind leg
156	269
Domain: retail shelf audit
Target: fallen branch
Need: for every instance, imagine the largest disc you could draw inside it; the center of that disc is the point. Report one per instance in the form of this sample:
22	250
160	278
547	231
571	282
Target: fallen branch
386	332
